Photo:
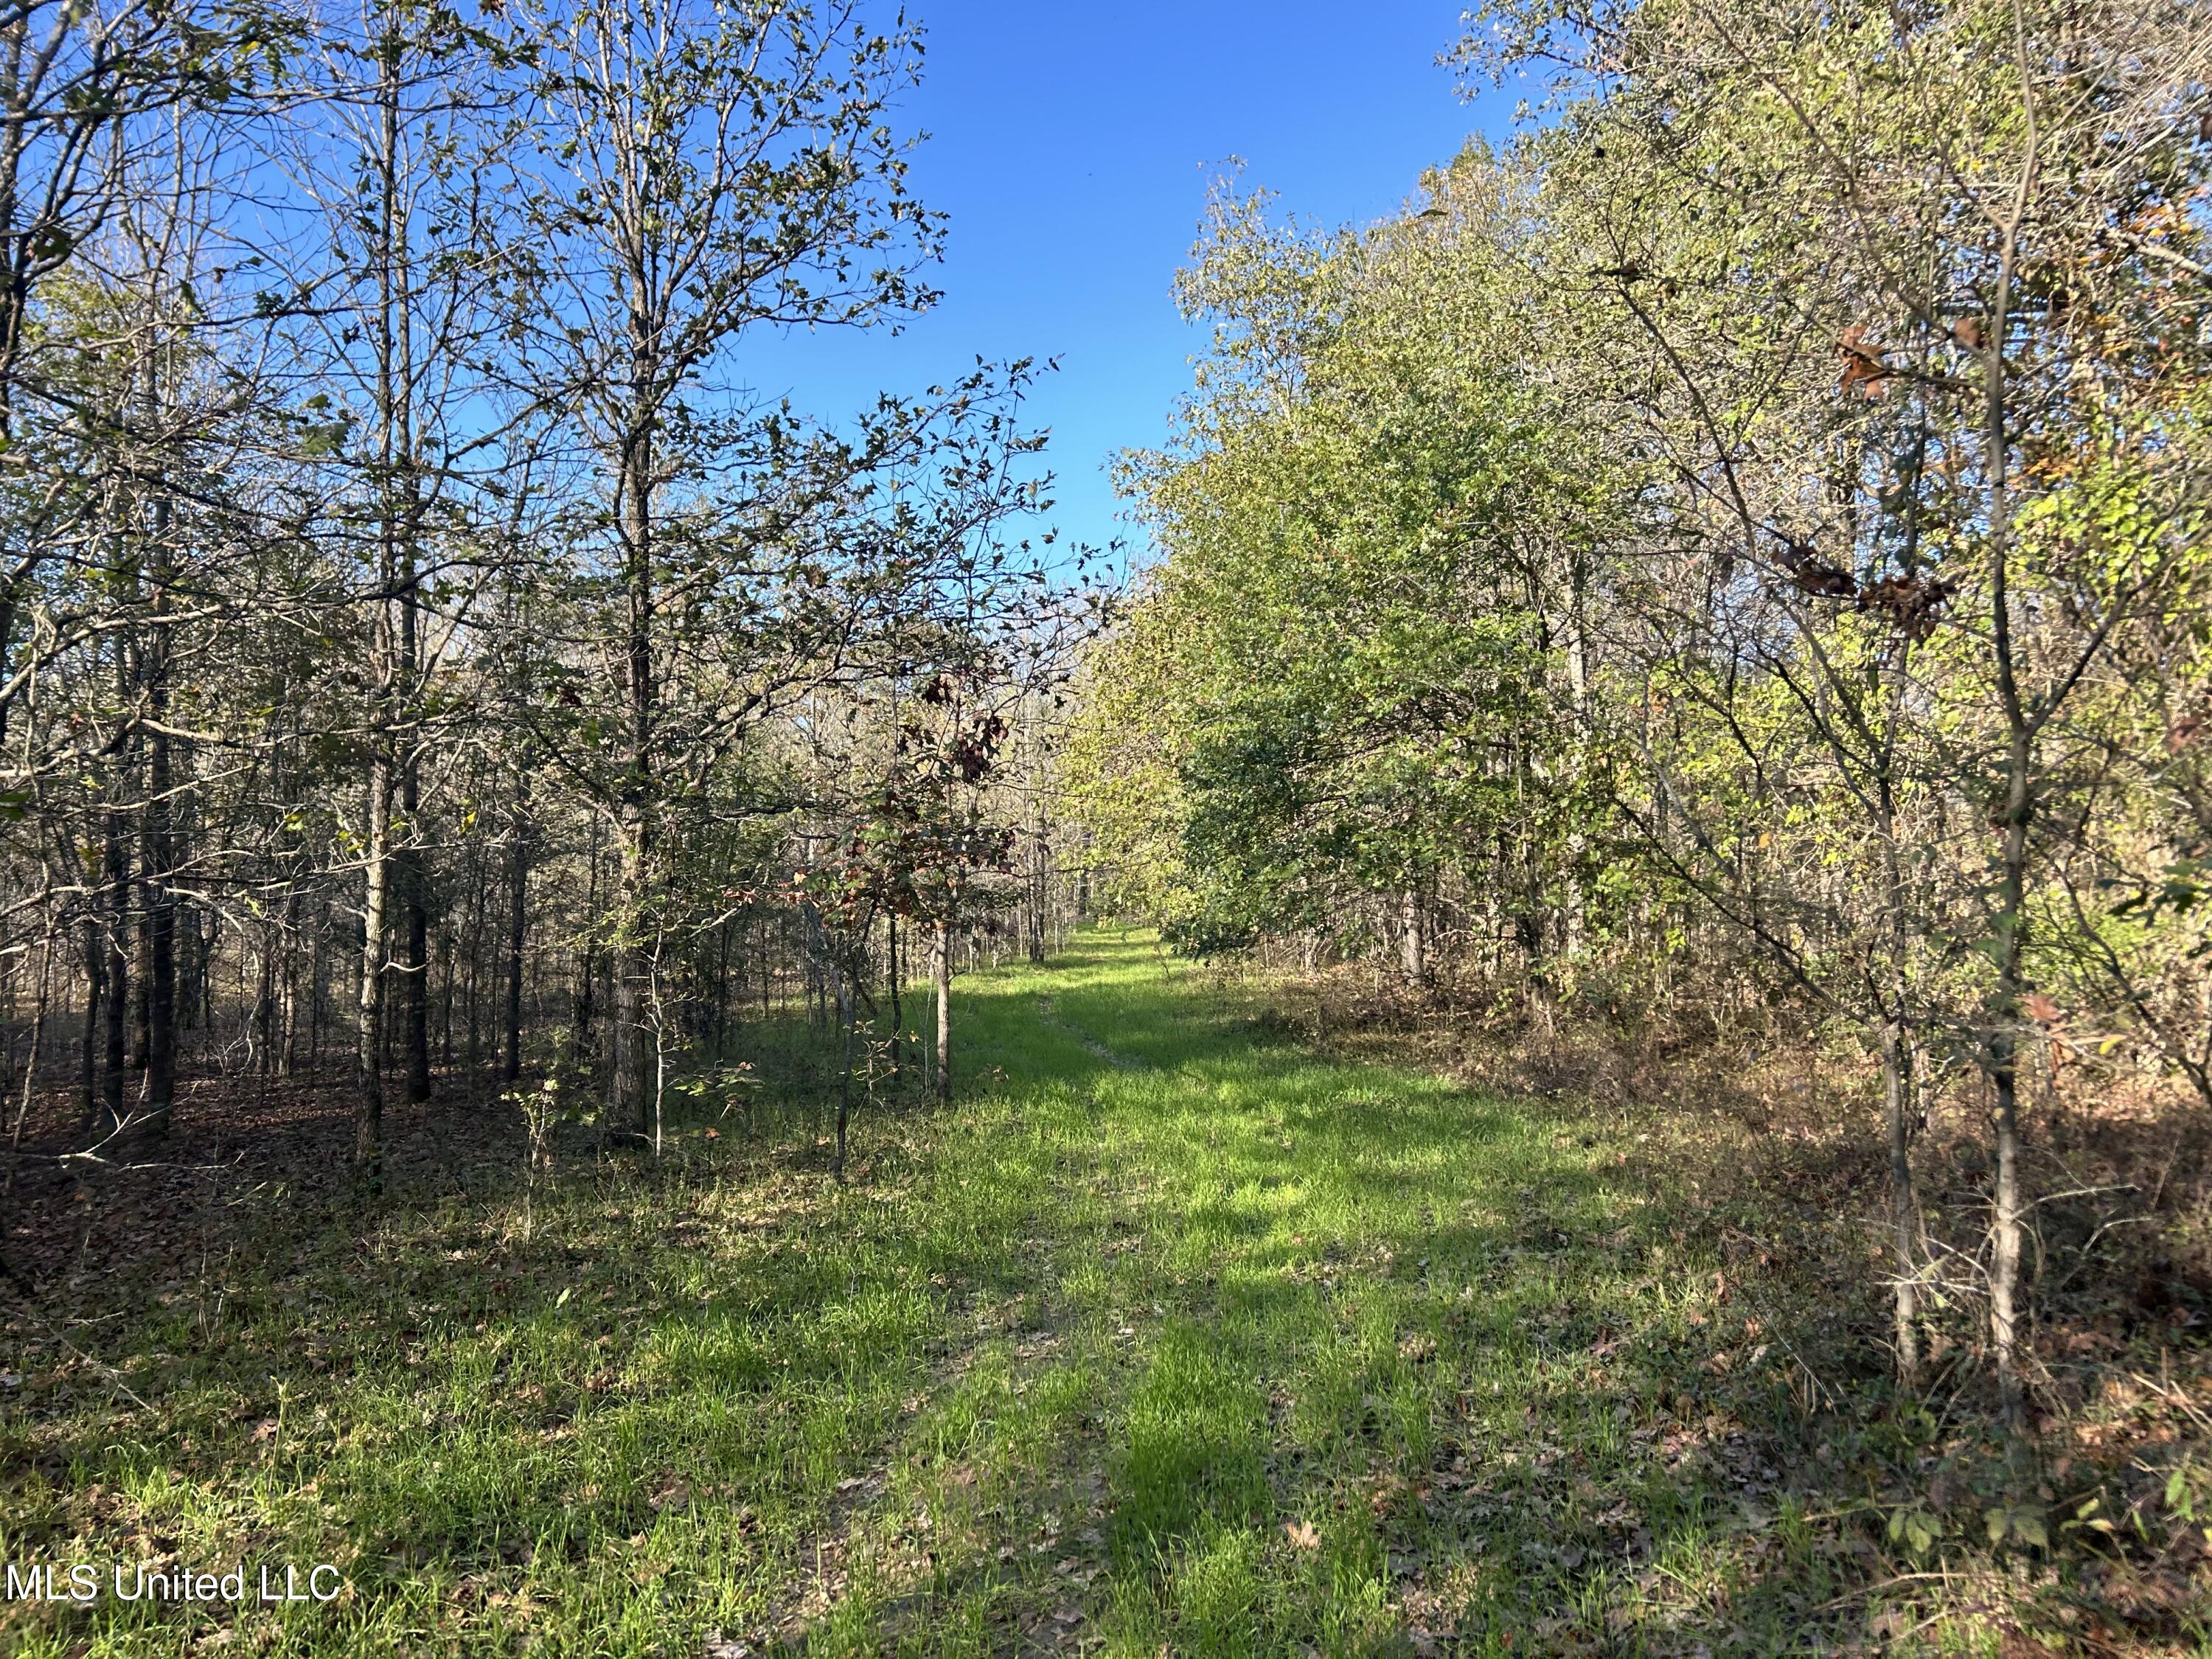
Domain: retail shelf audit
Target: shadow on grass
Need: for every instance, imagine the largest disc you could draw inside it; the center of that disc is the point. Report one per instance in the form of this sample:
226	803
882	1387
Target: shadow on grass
1165	1339
1374	1366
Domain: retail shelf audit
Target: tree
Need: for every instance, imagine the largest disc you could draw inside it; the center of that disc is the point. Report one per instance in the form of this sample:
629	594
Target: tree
403	287
709	172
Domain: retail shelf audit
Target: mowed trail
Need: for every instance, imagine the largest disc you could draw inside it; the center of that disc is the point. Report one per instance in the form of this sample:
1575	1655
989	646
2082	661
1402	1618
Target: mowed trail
1278	1355
1171	1337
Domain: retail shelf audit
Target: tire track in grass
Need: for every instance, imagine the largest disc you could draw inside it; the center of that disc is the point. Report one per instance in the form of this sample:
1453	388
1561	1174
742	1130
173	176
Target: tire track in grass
1047	1007
869	1572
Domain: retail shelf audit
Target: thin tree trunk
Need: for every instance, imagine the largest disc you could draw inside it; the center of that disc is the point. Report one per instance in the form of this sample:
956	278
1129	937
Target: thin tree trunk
518	918
585	1011
288	988
471	986
412	878
898	1013
1039	859
2011	920
31	1060
1903	1204
941	965
631	1103
96	985
369	1110
142	1036
1902	1114
317	973
411	873
116	874
845	1079
371	1033
634	475
2004	1079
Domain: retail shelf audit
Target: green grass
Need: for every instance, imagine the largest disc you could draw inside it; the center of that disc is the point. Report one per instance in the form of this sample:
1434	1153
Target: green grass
1174	1338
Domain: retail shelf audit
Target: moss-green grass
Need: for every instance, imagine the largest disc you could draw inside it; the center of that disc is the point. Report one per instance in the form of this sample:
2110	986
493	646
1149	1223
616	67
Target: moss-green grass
1173	1338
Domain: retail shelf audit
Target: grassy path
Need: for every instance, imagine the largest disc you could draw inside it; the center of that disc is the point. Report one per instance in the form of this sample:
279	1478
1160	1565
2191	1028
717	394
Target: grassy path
1173	1339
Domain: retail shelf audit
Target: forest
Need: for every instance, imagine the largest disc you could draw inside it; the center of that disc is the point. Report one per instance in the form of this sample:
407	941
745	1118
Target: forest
641	1019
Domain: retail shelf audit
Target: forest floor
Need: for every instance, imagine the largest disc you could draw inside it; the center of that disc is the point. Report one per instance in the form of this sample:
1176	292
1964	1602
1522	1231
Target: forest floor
1175	1337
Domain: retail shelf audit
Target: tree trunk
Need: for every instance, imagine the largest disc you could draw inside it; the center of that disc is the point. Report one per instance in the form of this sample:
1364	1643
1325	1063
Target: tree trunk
845	1078
116	874
414	961
412	879
585	1009
2011	920
368	1108
142	1036
941	966
630	1103
317	973
399	871
1039	861
518	919
1040	867
2004	1080
1413	952
95	982
891	967
1897	1057
30	1059
1903	1204
287	1058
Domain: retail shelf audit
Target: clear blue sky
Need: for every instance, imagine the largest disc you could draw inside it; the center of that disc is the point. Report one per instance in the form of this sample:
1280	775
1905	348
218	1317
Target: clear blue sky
1071	145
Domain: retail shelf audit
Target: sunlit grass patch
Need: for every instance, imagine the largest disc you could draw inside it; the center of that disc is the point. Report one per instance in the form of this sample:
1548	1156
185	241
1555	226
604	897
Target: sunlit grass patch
1166	1336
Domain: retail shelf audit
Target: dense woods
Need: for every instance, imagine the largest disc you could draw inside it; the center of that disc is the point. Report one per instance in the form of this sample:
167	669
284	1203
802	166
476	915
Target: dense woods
427	660
1732	561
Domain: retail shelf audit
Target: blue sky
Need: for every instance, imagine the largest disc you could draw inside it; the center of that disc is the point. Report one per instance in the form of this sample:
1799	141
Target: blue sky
1071	145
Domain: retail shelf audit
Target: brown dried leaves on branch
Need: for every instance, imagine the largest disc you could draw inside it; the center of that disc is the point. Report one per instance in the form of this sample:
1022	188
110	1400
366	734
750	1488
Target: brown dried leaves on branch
1864	371
1811	573
1913	603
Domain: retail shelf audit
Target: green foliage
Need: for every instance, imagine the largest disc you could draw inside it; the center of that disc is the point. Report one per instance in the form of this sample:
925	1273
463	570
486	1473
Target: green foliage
1349	675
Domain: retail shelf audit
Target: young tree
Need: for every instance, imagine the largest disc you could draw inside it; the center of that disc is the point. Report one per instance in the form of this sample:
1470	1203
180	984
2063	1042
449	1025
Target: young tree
708	172
405	289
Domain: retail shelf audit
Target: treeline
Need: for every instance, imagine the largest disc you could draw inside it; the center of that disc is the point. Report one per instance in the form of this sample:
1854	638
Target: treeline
1747	535
421	643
